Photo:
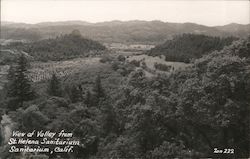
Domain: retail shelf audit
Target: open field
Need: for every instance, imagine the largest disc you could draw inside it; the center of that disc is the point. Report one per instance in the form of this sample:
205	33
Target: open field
150	62
120	46
128	49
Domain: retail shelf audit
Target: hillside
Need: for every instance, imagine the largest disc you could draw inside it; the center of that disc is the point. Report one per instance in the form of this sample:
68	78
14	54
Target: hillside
236	29
109	111
8	56
153	32
61	48
185	47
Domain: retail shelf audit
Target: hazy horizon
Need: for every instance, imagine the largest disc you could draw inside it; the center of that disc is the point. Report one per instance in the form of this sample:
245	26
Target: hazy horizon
83	21
208	13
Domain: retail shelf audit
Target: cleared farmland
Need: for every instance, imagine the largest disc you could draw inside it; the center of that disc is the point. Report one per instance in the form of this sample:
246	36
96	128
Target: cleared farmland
150	62
44	70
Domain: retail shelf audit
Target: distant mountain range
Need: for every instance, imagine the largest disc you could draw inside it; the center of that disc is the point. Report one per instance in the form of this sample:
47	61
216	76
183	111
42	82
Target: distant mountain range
153	32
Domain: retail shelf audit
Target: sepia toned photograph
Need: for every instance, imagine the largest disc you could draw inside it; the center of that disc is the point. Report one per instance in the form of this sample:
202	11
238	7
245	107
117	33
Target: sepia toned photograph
124	79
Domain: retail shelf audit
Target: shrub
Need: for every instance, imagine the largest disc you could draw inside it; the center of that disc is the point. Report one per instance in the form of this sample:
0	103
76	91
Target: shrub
135	63
162	67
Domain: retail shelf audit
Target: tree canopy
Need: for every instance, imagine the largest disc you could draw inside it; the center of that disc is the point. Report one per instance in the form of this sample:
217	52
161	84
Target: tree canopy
185	47
185	114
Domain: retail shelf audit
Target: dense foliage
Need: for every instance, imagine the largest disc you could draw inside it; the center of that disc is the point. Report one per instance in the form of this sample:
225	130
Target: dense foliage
185	47
54	87
61	48
19	88
185	114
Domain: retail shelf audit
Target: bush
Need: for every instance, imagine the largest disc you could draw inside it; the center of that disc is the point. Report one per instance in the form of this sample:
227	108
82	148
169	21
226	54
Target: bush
135	63
121	58
162	67
115	65
105	59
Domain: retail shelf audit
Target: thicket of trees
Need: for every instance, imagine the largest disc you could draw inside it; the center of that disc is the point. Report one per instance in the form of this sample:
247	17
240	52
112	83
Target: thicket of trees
185	114
183	48
19	88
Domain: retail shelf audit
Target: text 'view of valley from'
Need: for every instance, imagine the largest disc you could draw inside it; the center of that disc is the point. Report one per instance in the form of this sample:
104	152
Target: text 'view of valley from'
114	79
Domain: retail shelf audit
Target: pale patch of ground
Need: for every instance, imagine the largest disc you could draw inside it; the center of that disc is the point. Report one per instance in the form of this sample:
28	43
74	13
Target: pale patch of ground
135	47
150	61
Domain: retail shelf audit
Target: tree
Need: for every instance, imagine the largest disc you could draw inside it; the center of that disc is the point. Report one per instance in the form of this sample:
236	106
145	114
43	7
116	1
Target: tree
32	118
76	33
98	90
88	98
121	58
185	47
75	94
19	89
54	87
208	102
11	78
109	120
214	100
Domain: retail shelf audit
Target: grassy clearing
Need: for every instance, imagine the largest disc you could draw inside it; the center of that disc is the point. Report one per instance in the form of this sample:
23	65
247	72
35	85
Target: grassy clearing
150	61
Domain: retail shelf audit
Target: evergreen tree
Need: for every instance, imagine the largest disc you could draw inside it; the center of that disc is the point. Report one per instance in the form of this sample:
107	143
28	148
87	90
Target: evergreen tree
11	73
54	87
19	88
98	90
109	122
11	78
75	94
88	97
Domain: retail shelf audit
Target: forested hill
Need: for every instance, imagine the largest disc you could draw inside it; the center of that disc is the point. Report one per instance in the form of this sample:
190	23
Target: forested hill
185	47
61	48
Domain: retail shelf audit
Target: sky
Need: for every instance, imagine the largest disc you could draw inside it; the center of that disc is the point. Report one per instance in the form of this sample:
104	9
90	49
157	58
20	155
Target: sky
205	12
